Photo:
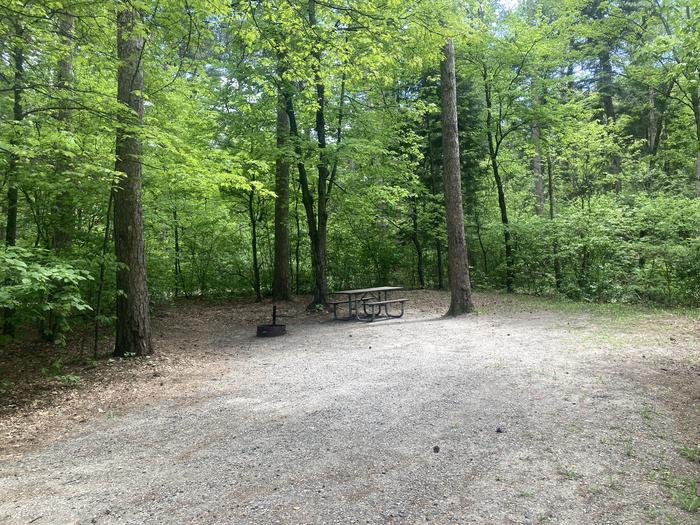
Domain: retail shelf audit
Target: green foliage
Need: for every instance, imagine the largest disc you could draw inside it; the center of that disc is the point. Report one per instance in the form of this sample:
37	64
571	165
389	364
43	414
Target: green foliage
646	249
41	289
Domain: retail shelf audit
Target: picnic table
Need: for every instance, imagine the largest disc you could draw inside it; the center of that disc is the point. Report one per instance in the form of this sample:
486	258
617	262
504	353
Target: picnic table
366	304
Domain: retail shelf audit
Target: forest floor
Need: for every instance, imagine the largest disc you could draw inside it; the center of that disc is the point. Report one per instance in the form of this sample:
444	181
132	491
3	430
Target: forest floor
531	411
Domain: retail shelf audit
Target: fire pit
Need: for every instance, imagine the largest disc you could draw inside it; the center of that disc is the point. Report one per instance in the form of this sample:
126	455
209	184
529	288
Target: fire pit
274	329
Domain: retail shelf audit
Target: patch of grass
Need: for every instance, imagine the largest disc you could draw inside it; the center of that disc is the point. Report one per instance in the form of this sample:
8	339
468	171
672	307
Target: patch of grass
614	484
646	413
691	453
594	489
629	448
68	379
685	492
568	471
525	494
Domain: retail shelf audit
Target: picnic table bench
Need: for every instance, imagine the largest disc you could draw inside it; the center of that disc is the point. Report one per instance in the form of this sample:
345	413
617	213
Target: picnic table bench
371	301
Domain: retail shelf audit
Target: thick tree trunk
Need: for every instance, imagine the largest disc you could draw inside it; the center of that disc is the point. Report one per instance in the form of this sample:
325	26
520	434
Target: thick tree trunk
280	279
133	335
537	171
458	263
63	214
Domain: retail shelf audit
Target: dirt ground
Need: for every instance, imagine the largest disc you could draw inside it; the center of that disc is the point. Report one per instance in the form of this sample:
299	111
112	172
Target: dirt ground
530	411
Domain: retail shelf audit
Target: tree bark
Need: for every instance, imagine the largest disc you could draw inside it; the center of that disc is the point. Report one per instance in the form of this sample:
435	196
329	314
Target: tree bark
133	335
280	280
458	264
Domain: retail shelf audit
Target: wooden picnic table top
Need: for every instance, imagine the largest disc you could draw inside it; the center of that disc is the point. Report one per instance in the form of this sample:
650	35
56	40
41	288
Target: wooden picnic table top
370	290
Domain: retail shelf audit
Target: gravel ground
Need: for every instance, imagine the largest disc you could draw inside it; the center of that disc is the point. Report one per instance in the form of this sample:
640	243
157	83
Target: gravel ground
521	414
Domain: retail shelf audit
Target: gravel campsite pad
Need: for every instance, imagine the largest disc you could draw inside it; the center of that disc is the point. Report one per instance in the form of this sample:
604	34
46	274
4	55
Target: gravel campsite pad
528	412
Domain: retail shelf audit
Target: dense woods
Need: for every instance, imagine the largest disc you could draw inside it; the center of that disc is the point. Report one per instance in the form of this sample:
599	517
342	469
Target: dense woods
273	147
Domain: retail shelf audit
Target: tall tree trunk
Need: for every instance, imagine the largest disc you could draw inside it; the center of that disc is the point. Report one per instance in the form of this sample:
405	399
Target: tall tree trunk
493	155
458	263
420	264
254	244
654	124
297	244
177	269
101	278
537	171
12	165
63	214
280	279
133	335
434	187
319	259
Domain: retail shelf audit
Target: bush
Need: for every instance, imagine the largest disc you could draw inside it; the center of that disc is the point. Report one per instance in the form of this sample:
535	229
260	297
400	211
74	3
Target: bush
40	289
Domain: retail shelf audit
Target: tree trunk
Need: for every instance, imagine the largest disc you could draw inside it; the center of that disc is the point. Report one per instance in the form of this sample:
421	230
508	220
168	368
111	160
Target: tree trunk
133	330
178	270
297	244
318	259
416	242
63	214
537	171
434	186
254	244
280	280
493	155
458	264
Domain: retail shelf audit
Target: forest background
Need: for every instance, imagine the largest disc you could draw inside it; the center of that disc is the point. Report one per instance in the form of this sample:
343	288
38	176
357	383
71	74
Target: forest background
320	120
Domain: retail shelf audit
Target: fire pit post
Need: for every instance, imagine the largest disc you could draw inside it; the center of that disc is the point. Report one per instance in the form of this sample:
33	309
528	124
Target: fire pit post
274	329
